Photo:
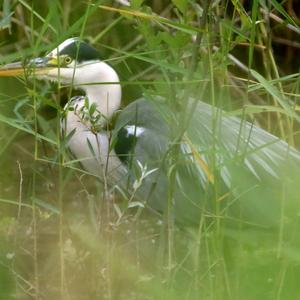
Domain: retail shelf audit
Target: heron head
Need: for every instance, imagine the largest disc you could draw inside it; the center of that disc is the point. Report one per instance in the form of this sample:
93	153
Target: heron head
73	62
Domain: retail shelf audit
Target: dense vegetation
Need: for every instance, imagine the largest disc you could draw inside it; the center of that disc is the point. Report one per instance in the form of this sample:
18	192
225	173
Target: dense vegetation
58	238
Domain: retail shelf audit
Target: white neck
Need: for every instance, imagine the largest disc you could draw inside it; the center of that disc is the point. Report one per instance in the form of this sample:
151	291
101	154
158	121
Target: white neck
106	96
91	77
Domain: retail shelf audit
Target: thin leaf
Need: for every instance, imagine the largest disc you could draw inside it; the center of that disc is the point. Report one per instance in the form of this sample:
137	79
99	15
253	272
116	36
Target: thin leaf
13	123
182	27
272	90
45	205
280	9
7	201
135	204
181	5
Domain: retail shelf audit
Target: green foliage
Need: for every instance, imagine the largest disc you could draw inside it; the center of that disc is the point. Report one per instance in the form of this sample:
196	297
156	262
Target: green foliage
182	5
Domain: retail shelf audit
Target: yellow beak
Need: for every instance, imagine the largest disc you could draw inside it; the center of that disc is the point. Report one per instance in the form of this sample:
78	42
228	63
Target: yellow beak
38	66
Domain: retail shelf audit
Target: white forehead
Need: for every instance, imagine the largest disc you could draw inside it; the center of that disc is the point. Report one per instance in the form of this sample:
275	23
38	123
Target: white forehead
62	46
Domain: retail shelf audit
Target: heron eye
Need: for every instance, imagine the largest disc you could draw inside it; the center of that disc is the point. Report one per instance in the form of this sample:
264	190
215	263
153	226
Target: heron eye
67	60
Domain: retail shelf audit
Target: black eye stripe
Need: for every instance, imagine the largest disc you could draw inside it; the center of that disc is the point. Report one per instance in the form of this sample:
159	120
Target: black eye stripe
80	51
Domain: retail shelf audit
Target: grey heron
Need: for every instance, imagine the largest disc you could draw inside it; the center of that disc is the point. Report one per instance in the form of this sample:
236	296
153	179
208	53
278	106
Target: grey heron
244	159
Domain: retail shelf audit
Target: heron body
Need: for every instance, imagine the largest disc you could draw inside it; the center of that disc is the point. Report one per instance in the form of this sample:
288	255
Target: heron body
242	158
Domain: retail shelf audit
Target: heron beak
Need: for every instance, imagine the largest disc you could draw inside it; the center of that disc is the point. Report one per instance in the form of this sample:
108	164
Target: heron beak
36	66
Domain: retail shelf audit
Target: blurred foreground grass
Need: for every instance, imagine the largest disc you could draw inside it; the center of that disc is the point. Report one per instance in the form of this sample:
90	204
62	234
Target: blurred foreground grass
88	252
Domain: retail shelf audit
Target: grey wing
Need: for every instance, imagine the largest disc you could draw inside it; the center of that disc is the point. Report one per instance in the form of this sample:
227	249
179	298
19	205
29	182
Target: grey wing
242	160
258	168
262	153
151	148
